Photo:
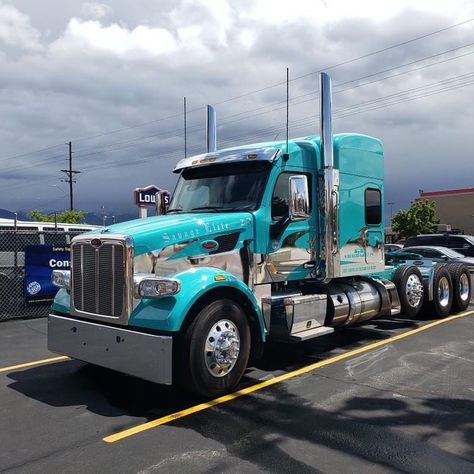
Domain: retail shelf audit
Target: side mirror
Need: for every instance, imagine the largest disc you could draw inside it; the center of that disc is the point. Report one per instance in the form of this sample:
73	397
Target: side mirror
161	202
298	202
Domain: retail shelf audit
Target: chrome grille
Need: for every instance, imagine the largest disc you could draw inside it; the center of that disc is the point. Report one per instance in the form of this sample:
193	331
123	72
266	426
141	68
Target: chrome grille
98	278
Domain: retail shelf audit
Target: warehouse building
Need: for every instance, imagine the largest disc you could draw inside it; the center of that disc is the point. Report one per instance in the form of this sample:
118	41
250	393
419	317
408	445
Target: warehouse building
454	207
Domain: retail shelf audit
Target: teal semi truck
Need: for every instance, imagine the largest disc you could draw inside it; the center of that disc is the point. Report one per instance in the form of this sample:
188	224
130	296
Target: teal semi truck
274	241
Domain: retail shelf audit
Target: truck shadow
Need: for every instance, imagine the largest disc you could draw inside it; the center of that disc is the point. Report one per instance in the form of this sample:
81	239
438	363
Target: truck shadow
102	391
279	356
283	432
112	394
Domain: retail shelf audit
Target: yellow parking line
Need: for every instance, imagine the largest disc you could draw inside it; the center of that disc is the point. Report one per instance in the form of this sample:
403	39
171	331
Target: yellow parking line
267	383
33	363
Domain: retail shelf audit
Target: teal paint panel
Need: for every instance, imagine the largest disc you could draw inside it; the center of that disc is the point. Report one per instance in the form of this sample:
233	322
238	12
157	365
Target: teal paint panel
352	207
168	314
157	232
359	159
360	155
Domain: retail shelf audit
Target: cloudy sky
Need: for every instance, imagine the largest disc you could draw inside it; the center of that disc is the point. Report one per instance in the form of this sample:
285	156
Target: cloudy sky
111	77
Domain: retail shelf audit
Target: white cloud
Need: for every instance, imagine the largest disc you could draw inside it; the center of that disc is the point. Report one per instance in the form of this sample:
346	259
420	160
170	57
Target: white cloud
114	38
94	11
16	29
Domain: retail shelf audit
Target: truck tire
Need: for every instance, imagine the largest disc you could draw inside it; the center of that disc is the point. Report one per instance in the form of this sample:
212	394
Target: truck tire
409	284
462	289
442	293
216	349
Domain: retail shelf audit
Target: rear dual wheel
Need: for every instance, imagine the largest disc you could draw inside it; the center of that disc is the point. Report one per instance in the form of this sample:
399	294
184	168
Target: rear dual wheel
409	284
461	280
442	300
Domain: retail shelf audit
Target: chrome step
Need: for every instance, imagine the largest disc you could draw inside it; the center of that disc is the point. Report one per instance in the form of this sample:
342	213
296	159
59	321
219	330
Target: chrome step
311	333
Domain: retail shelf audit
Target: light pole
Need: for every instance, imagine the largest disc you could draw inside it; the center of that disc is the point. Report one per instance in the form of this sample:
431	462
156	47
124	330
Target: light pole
391	204
104	217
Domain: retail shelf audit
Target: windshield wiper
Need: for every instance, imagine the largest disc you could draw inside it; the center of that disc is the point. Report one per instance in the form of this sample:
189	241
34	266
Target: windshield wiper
245	207
208	208
175	209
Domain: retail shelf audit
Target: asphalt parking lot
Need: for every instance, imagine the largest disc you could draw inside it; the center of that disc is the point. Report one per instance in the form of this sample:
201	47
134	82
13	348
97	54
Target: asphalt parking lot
383	397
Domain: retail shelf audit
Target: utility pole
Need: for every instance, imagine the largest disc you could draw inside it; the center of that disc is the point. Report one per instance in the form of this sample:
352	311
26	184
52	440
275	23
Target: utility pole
70	173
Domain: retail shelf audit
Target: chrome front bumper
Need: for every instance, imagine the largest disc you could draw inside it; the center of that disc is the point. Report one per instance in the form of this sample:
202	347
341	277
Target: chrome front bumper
147	356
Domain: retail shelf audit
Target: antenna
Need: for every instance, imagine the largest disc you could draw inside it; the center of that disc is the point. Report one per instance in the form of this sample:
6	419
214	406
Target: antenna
185	142
286	155
287	104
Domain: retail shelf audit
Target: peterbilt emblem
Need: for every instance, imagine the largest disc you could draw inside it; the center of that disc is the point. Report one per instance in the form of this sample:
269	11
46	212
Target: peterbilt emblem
210	245
96	243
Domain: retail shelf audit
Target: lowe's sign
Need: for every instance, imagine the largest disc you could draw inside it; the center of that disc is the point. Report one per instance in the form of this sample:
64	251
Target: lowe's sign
40	261
145	197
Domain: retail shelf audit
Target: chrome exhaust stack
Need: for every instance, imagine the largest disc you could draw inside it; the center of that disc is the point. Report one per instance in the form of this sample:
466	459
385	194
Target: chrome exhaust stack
211	130
328	188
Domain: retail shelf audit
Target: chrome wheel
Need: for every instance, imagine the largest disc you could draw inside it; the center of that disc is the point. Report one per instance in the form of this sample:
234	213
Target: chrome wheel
414	290
222	348
464	287
443	291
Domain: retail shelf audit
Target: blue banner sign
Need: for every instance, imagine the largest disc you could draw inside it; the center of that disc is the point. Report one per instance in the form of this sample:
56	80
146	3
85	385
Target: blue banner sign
40	261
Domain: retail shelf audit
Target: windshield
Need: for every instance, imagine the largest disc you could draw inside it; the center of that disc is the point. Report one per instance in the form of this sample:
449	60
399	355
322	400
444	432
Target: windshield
230	187
452	253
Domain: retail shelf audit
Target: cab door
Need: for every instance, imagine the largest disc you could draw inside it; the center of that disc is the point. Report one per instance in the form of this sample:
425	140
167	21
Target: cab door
374	232
289	256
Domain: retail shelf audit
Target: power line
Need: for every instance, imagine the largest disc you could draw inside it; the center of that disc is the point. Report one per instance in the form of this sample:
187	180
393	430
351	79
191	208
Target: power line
326	68
374	104
245	114
340	113
301	122
11	157
349	61
139	140
411	63
304	122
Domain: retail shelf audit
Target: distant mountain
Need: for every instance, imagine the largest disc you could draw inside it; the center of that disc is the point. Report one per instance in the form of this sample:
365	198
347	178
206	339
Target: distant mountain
91	218
6	214
95	219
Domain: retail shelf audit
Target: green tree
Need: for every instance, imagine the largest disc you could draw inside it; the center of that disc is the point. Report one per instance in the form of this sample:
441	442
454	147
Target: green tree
419	219
65	217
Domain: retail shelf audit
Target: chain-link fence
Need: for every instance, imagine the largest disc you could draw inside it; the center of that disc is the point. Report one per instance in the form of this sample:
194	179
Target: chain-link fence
14	299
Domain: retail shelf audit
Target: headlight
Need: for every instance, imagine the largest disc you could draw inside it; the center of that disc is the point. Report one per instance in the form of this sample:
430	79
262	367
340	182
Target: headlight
154	287
61	278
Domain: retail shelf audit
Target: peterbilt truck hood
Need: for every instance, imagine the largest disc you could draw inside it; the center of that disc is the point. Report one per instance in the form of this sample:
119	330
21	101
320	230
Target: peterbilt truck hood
155	233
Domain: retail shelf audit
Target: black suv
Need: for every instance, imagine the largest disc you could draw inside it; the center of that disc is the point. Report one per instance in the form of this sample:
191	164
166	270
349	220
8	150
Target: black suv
461	243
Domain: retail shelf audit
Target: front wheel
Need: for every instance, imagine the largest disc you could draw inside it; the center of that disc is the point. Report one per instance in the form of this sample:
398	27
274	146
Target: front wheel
216	349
